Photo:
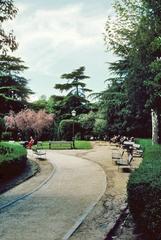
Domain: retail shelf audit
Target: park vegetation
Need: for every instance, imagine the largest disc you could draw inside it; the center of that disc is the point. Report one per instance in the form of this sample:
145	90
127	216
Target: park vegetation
132	101
12	159
129	105
144	191
28	123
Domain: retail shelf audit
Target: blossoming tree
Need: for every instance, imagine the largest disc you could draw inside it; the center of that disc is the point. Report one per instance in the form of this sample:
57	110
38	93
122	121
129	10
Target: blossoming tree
29	122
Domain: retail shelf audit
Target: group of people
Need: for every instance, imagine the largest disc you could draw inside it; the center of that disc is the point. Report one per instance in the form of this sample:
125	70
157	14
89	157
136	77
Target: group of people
121	139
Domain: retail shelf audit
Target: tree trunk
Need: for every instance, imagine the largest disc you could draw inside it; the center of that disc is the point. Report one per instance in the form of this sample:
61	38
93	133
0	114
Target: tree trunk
155	126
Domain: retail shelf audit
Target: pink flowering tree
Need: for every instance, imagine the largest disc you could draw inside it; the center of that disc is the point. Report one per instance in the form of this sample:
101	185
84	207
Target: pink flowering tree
29	122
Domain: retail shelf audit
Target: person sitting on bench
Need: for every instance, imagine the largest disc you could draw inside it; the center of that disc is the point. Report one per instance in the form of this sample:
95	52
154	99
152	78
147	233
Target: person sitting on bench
30	143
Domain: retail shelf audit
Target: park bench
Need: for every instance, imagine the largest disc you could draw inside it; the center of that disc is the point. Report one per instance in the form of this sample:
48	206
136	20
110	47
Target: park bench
117	154
125	164
137	151
40	153
61	144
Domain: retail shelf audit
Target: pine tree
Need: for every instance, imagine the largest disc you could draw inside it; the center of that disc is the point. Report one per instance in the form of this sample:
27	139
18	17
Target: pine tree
13	86
74	86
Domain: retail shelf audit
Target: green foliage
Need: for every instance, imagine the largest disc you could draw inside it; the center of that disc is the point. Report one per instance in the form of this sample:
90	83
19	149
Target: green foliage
100	127
74	85
74	98
8	12
133	35
66	129
13	87
12	159
83	145
12	151
144	191
87	122
39	104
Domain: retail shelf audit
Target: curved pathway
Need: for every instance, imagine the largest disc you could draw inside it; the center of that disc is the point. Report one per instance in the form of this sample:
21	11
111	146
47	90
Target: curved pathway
53	211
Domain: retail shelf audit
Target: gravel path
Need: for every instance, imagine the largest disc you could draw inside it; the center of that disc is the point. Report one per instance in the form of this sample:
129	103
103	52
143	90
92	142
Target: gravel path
52	211
105	214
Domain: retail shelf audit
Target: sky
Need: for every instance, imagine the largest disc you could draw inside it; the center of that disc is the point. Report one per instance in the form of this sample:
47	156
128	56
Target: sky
59	36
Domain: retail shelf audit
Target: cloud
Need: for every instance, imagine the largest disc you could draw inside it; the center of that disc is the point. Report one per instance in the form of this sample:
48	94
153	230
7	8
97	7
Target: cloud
59	26
51	39
52	28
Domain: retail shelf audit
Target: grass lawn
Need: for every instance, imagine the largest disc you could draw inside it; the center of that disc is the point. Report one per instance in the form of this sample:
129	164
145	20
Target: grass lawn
152	153
83	144
79	144
145	142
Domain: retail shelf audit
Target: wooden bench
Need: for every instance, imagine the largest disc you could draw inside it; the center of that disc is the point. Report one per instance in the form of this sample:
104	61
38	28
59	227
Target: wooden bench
40	153
125	164
61	144
116	155
137	151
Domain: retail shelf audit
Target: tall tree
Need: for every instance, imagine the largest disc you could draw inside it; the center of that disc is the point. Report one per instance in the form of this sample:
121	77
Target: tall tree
7	40
29	122
135	37
75	97
13	87
75	86
14	91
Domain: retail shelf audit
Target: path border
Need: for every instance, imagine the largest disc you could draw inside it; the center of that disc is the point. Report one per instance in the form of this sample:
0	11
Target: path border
31	192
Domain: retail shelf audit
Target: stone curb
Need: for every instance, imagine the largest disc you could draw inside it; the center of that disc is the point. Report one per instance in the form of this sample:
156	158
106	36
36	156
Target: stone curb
31	192
113	226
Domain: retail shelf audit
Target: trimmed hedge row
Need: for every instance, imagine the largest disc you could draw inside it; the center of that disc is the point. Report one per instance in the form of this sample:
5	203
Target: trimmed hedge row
144	191
13	158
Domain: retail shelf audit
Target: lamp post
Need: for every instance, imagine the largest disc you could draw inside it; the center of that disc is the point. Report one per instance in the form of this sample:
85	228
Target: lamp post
73	138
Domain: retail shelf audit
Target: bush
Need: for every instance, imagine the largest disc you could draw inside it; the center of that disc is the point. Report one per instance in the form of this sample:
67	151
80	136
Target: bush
6	136
66	129
144	191
12	159
87	123
100	127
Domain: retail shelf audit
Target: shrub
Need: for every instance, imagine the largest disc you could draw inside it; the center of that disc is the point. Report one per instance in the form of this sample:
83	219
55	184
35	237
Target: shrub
66	129
87	123
12	159
6	136
144	191
100	127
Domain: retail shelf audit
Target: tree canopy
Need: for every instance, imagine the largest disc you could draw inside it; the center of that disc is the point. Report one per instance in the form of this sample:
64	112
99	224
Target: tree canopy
7	40
133	34
14	91
75	86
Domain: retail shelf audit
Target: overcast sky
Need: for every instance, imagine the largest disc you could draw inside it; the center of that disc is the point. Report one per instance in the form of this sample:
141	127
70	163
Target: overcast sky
58	36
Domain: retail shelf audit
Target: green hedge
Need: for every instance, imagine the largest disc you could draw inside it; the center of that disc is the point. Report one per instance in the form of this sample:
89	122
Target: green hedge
12	159
144	191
